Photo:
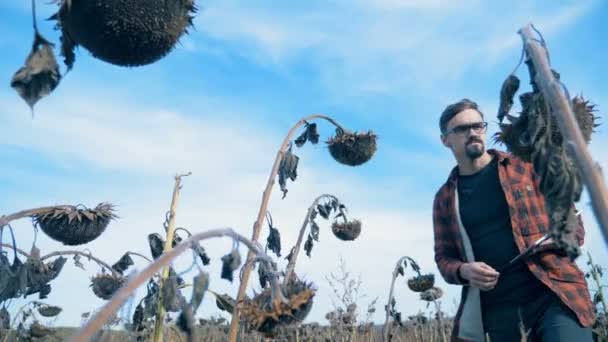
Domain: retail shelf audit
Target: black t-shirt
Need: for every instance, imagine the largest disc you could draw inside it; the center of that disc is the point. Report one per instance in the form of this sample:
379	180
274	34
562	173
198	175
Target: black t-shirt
485	215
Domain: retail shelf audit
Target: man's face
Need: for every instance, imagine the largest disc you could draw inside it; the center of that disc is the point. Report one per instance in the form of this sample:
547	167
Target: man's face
465	134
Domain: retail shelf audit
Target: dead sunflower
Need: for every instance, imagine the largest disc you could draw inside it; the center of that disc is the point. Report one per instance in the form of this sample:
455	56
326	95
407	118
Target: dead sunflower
72	225
352	148
105	285
421	283
431	294
264	316
123	32
49	310
38	330
346	231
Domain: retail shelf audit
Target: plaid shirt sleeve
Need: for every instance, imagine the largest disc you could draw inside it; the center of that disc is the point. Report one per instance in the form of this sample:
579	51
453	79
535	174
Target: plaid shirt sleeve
447	254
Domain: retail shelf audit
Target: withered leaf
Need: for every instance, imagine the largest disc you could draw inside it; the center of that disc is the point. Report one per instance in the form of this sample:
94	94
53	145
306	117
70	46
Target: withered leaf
308	245
287	170
138	318
263	274
401	270
230	262
311	133
314	230
301	139
5	318
172	298
507	92
202	254
123	263
40	74
157	244
224	302
77	262
322	210
199	287
274	240
67	49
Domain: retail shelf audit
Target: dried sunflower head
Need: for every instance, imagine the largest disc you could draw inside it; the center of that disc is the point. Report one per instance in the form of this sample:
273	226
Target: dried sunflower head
346	231
265	316
125	33
75	226
586	116
49	310
38	330
105	285
431	294
352	148
421	282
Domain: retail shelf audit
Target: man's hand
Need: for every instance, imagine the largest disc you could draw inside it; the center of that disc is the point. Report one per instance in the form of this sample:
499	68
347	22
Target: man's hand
479	275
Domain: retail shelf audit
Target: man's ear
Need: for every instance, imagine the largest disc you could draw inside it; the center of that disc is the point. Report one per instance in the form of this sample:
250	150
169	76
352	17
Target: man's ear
445	141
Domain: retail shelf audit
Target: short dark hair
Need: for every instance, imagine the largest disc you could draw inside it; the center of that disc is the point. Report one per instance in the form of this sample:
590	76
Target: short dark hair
450	111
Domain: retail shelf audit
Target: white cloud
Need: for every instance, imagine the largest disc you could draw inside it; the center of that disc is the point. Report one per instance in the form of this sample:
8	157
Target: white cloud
418	44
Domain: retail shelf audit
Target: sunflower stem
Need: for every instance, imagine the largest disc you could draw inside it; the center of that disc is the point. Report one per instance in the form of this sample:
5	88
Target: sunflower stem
257	227
553	93
387	308
160	310
296	249
124	293
6	219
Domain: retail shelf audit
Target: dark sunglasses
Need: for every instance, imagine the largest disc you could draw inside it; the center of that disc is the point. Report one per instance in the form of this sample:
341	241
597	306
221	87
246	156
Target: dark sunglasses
477	127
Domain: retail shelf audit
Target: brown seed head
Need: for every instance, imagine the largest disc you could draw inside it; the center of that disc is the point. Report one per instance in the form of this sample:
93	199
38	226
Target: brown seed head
75	226
352	148
346	231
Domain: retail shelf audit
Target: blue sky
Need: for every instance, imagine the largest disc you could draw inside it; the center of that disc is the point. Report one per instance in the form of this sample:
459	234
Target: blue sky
221	102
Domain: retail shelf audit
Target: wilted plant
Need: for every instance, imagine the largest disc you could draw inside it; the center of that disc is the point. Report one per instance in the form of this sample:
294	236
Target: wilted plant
29	326
71	225
344	322
342	227
346	147
596	272
421	283
279	299
552	132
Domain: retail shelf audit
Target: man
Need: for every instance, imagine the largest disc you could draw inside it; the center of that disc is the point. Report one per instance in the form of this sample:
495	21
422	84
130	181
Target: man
488	211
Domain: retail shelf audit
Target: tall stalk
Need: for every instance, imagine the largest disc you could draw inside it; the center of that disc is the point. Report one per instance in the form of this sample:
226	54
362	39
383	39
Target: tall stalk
387	308
160	309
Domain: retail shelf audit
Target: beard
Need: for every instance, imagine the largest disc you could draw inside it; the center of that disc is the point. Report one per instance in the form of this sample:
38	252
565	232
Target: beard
474	148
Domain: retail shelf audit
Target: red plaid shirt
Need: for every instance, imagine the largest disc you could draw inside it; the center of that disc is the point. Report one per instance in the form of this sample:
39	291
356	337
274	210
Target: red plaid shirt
529	220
